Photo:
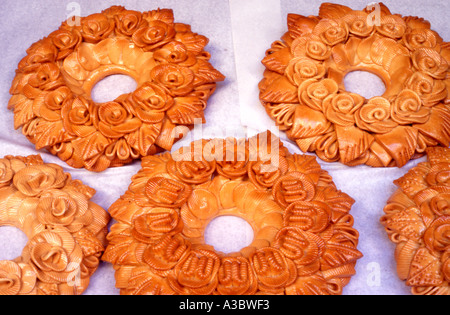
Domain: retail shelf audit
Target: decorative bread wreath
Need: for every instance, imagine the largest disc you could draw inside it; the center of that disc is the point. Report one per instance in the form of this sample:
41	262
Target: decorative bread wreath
417	220
303	88
66	231
52	89
304	239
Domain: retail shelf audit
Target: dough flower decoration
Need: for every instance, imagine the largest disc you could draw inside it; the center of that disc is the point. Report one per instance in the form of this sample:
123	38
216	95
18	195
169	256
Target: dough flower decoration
303	88
417	221
51	92
66	231
304	240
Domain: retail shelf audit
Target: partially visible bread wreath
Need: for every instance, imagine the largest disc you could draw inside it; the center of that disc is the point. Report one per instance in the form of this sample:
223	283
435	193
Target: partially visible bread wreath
304	92
51	93
417	220
66	231
304	240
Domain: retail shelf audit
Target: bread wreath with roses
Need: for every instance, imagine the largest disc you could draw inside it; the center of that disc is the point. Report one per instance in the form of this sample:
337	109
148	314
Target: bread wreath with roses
417	220
51	93
304	240
303	89
66	231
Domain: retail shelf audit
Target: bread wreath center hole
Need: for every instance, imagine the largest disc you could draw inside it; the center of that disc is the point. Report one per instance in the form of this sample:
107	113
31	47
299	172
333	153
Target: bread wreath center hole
111	87
12	242
229	234
364	83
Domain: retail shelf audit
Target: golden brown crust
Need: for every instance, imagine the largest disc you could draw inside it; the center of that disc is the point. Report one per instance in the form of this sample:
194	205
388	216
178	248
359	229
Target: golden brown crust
304	239
66	231
417	220
303	88
51	93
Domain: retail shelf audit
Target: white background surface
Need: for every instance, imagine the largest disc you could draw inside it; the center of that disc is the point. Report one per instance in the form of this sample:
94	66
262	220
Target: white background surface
240	31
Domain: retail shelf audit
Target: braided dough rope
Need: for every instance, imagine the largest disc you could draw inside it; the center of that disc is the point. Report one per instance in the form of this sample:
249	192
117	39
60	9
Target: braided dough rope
303	87
66	231
304	240
51	93
417	220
